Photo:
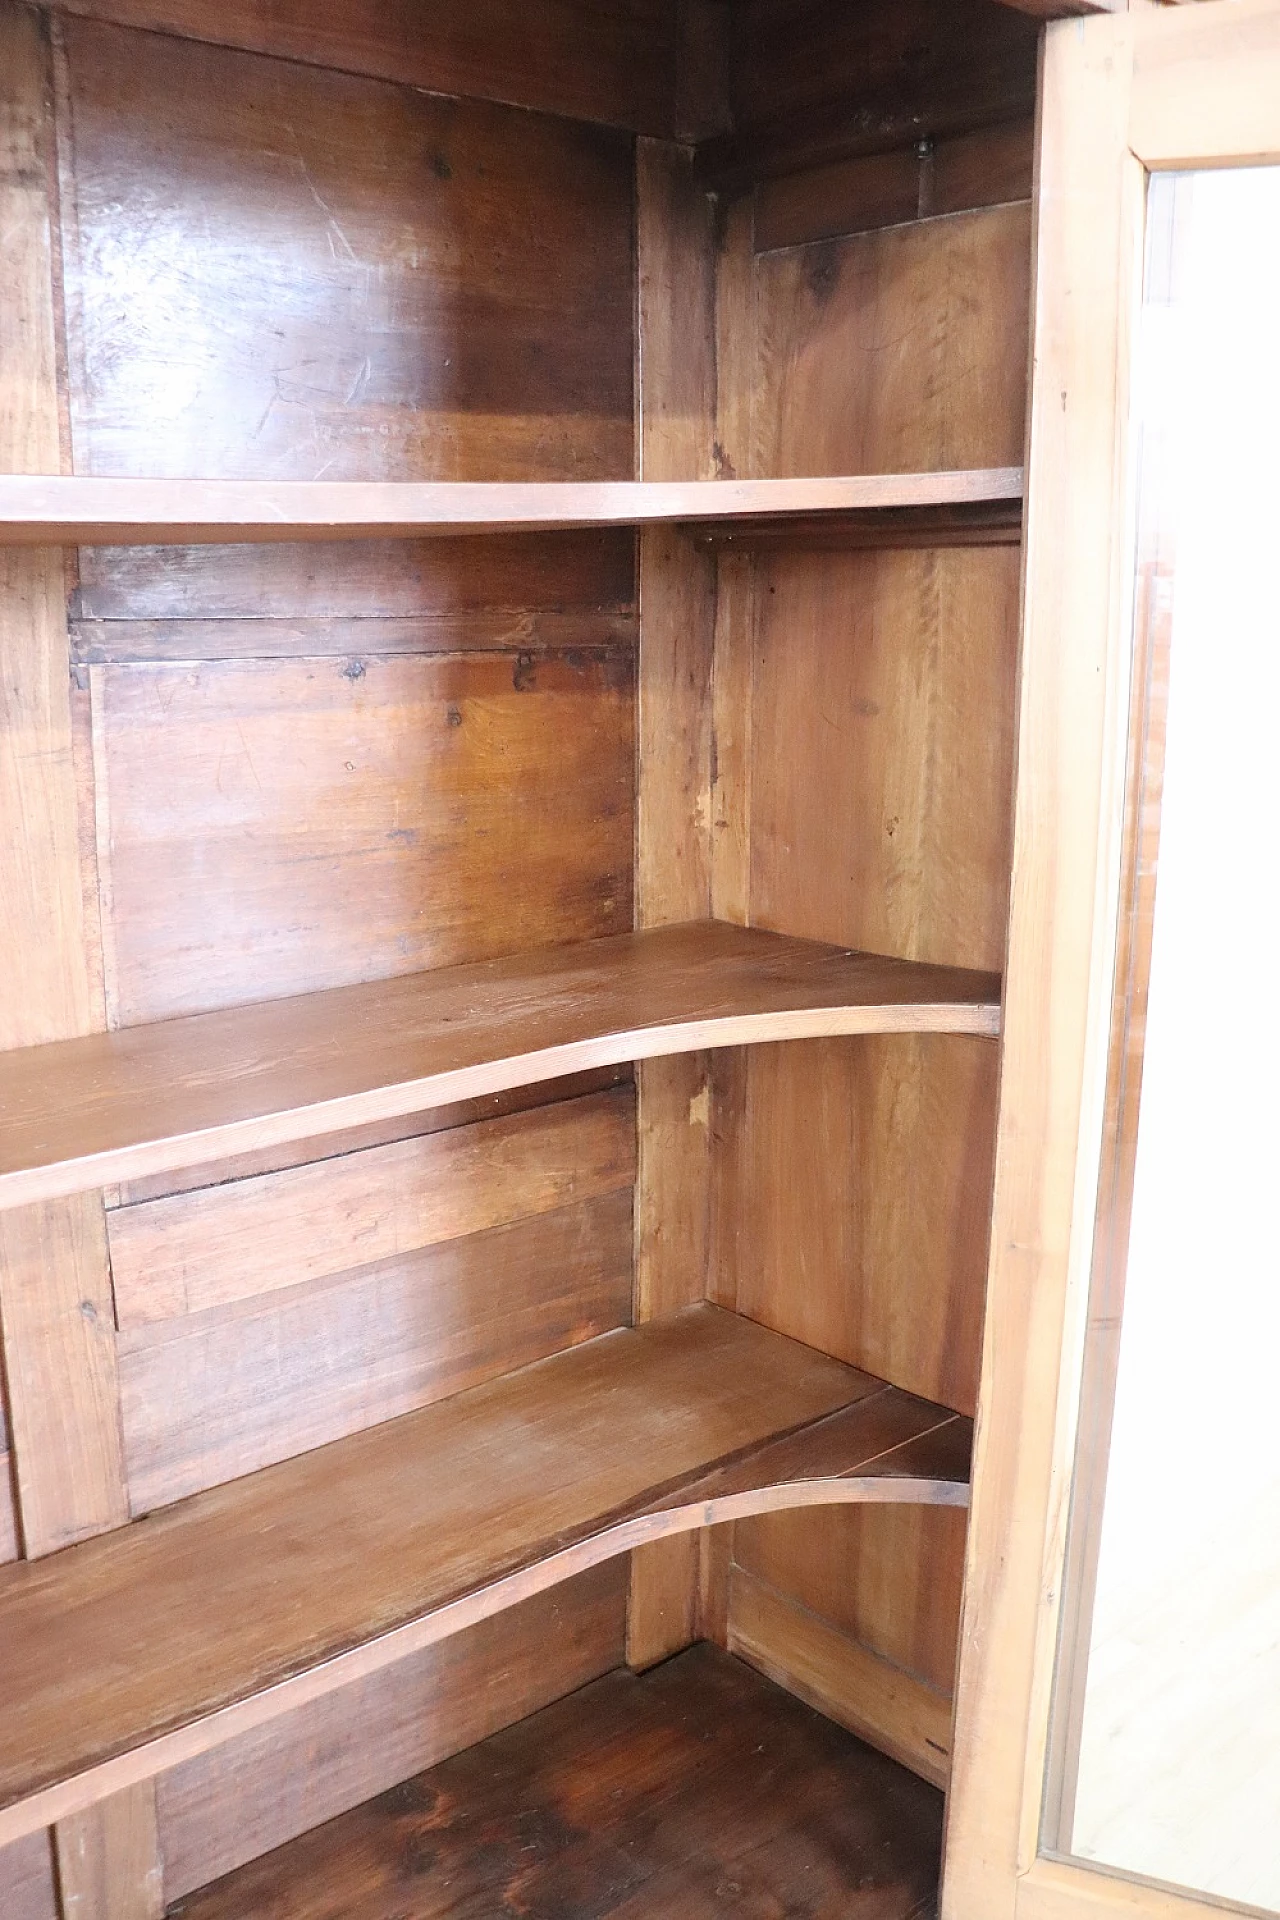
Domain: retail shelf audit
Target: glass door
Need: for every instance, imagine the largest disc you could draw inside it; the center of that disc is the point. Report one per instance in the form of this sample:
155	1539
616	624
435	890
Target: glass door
1118	1727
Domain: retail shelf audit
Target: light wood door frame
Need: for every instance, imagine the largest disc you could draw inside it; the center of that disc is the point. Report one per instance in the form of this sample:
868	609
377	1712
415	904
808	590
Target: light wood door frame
1121	96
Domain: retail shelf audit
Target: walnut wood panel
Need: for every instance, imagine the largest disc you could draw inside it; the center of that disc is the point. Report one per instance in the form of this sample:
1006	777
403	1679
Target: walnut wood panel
54	1284
899	350
875	1698
44	510
182	1091
982	169
511	584
349	277
823	80
212	1395
189	1252
871	781
677	582
696	1790
616	64
271	827
301	1153
242	1799
249	1599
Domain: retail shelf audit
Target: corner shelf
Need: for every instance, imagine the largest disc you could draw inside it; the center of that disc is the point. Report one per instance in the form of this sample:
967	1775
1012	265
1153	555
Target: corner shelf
63	510
148	1099
142	1647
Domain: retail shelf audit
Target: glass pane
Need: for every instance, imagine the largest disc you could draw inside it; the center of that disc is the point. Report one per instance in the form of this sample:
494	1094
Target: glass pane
1167	1733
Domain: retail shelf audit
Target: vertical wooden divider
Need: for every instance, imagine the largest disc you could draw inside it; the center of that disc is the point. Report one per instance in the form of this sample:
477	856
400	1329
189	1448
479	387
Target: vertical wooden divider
56	1320
109	1859
676	390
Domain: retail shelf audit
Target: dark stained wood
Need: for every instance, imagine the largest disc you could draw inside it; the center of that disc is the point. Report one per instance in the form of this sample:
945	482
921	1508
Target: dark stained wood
351	278
45	511
433	590
982	169
276	827
180	1091
696	1790
251	1794
820	80
212	1395
617	64
250	1599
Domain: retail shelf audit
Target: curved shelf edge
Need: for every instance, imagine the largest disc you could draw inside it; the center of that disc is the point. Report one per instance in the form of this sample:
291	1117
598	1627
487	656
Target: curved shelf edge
201	1087
144	1762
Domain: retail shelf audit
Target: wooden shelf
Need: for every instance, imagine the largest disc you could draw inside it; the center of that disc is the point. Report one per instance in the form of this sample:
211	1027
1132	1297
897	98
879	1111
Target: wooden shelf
81	1113
52	510
144	1646
697	1789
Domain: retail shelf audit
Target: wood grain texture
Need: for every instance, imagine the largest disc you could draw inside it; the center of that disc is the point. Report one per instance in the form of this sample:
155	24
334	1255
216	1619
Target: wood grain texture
899	350
180	1091
406	286
47	510
27	1879
1062	930
509	584
61	1369
252	1794
824	80
891	1708
986	168
213	1395
301	1153
108	1858
694	1789
235	1241
872	772
616	64
274	827
677	582
59	1357
250	1599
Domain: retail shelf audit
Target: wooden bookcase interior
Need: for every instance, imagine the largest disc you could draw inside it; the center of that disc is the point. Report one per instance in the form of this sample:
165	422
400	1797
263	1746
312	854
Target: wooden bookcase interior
509	547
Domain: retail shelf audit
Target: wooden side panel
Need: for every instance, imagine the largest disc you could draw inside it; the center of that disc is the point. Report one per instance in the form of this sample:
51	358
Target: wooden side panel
616	64
26	1879
888	1706
347	278
55	1319
109	1859
267	828
214	1395
677	584
867	799
256	1792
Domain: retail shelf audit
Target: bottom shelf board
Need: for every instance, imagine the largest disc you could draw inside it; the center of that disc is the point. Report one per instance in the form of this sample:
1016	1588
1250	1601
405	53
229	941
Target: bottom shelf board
133	1651
697	1790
